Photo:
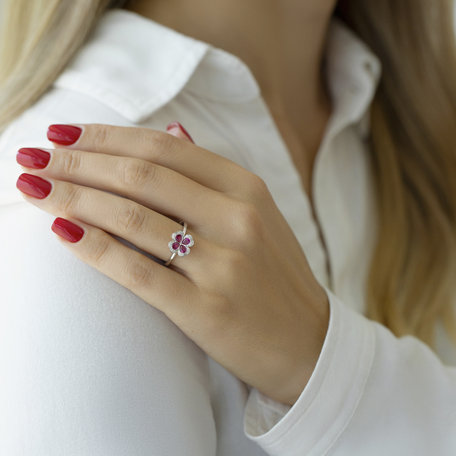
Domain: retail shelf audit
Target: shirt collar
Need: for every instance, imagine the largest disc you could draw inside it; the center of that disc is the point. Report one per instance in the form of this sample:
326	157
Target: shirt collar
136	65
353	73
132	64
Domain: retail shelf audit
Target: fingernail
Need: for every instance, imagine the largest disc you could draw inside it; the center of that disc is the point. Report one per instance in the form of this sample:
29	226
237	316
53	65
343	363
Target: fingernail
63	134
66	229
33	158
33	185
181	128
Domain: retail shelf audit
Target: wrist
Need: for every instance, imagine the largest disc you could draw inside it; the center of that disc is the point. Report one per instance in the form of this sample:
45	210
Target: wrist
317	330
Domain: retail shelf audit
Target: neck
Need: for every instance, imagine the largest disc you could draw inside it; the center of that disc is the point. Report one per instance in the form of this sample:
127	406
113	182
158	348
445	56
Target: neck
282	43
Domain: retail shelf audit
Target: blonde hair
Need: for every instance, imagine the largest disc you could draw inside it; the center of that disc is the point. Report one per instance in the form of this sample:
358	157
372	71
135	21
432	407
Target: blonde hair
413	141
411	283
37	39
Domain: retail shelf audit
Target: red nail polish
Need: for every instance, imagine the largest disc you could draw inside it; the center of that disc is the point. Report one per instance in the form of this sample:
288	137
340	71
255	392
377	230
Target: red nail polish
32	157
33	185
63	134
66	229
182	129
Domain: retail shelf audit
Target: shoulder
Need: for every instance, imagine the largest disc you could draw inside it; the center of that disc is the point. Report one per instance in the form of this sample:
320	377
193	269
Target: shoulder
57	105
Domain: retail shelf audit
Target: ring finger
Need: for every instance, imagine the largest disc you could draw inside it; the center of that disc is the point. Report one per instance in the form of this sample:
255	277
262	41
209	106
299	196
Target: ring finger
156	187
150	231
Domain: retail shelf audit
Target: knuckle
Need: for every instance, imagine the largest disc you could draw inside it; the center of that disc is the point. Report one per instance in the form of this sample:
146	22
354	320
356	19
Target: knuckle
160	144
138	275
235	261
100	137
161	139
70	162
71	198
136	173
256	187
224	274
248	223
99	252
130	218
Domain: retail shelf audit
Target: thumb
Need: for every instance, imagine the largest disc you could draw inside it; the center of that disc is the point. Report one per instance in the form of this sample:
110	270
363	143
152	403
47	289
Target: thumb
177	130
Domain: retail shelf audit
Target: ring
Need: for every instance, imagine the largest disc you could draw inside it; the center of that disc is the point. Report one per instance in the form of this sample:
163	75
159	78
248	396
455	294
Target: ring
180	244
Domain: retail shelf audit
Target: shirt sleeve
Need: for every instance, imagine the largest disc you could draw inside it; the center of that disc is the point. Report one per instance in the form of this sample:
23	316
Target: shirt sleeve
371	393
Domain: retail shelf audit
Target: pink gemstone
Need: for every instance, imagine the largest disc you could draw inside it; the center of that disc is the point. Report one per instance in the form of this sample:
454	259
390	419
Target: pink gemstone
175	245
186	241
179	237
183	249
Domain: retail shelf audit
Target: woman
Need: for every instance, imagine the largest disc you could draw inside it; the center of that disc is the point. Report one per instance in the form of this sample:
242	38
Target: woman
328	126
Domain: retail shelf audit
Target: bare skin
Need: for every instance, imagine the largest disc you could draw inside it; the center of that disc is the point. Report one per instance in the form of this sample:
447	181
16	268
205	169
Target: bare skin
282	42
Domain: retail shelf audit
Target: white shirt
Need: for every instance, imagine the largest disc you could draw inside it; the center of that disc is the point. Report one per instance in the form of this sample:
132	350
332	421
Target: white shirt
89	369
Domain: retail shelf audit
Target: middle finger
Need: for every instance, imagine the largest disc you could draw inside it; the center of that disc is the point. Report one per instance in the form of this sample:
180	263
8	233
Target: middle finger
161	189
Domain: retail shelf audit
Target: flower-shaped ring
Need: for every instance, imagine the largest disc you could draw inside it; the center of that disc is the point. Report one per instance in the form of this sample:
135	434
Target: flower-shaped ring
180	244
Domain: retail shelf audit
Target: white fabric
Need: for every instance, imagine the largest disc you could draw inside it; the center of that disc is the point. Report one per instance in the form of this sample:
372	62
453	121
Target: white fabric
89	369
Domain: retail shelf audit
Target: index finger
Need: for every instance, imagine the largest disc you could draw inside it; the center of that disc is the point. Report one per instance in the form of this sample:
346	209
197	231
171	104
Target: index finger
197	163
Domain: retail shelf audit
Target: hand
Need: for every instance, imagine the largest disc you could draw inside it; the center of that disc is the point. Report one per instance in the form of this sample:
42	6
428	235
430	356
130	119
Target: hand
245	293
